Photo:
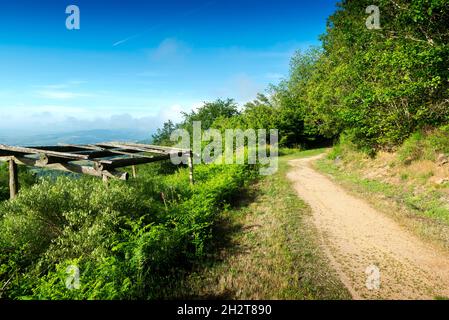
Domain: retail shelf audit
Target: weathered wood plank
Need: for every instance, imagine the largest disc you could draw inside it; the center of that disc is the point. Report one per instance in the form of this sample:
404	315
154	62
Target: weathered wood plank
43	151
68	167
150	146
13	179
65	157
60	148
6	153
190	162
45	160
112	153
98	152
126	162
129	147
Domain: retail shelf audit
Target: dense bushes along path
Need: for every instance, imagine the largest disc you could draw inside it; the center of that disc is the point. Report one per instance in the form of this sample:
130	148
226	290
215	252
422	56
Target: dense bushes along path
355	236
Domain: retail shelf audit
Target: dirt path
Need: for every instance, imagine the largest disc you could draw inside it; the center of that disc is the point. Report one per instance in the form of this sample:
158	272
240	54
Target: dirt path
355	236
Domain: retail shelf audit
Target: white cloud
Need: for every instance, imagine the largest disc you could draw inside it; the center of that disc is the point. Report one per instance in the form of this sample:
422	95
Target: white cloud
170	48
53	86
54	109
242	87
60	94
174	112
40	119
61	91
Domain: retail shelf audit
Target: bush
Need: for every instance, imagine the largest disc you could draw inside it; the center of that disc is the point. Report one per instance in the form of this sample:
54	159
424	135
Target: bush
129	240
425	145
412	149
344	147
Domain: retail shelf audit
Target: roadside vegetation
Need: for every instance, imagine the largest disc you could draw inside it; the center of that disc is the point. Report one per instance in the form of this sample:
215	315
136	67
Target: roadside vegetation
129	241
410	184
268	250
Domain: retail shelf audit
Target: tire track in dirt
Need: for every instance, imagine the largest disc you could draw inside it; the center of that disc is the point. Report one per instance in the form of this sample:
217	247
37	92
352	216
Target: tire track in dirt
355	236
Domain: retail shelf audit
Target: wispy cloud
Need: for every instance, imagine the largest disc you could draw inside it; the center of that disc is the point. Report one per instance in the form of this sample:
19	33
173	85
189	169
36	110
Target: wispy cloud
152	28
61	91
129	38
242	87
170	48
60	95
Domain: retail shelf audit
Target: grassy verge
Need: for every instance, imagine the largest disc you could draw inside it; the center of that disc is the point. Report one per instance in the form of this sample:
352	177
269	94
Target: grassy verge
268	249
420	209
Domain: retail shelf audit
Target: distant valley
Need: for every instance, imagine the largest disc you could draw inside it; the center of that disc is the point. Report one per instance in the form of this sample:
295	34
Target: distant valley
77	137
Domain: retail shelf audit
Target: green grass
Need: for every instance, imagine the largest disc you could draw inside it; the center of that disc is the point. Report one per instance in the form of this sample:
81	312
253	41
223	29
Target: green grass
296	153
425	212
271	249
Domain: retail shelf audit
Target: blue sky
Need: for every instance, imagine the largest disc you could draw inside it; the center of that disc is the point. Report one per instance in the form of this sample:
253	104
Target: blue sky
135	64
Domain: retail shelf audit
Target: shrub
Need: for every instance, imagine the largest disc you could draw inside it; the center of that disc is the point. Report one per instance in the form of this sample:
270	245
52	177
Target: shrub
27	178
425	145
129	240
412	149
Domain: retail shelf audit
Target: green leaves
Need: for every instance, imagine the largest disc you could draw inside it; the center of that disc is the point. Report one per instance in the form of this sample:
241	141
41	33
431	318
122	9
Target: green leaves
129	240
381	85
210	112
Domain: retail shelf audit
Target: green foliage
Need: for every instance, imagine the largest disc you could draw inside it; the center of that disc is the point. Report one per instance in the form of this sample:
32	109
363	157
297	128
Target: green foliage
425	145
129	240
26	179
412	149
344	147
260	114
380	85
162	136
376	86
210	112
295	121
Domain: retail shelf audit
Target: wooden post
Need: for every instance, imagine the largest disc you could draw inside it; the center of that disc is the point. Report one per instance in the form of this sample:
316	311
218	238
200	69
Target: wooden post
105	179
13	179
134	172
190	160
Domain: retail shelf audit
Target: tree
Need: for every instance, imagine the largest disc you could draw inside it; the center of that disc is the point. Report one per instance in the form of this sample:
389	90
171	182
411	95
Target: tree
379	85
382	85
162	136
260	113
210	112
295	120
